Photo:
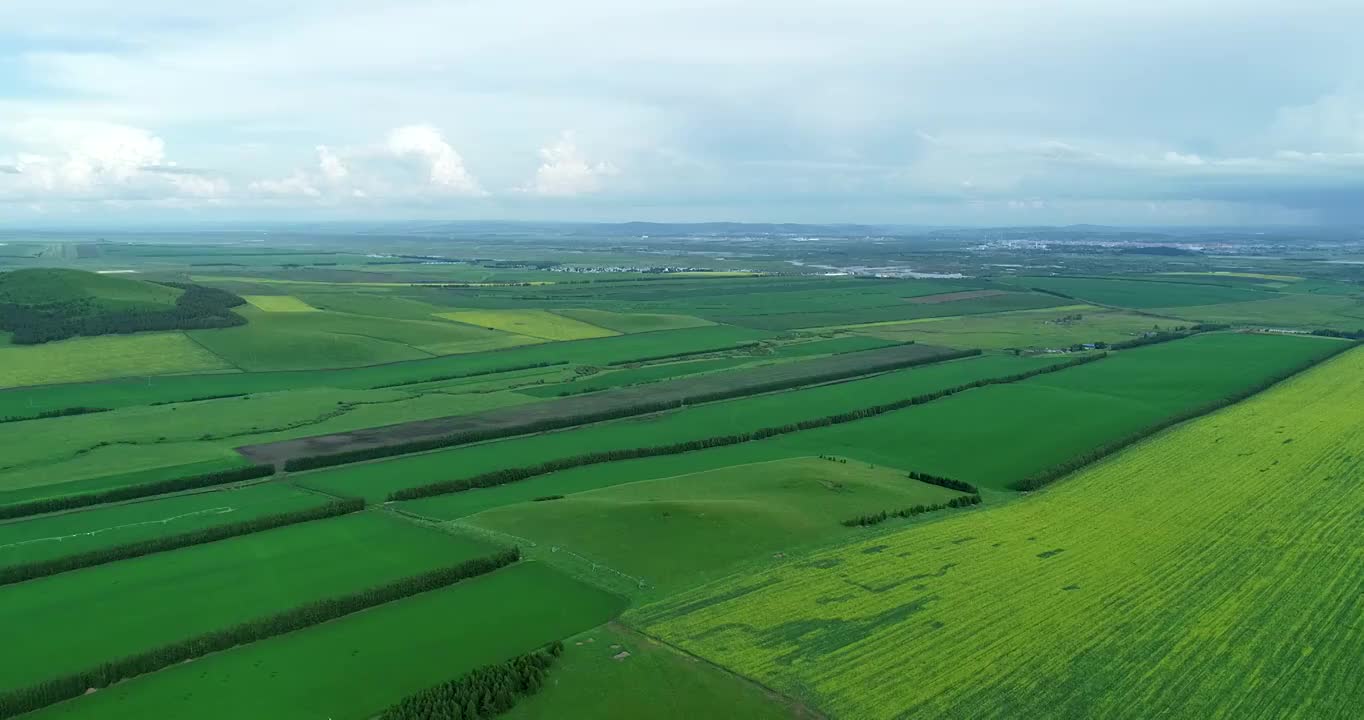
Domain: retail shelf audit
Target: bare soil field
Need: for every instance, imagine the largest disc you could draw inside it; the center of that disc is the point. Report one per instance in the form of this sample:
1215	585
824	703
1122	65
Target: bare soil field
536	414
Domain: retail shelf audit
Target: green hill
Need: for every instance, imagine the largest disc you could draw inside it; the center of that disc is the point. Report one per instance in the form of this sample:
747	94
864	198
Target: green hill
52	286
43	304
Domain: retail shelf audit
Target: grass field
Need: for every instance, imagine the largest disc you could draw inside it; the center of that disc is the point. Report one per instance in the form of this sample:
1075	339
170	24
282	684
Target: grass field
632	322
1203	573
672	533
107	480
653	681
635	376
1028	330
1284	310
278	303
375	480
899	309
45	286
140	391
174	595
52	536
352	668
1141	293
108	356
533	323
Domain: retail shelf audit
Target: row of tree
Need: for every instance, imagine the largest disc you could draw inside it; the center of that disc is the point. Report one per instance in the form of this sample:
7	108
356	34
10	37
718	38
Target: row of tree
510	475
310	462
1345	334
484	692
198	398
1162	336
1041	479
686	353
27	699
941	481
460	376
43	568
132	492
198	307
876	518
59	412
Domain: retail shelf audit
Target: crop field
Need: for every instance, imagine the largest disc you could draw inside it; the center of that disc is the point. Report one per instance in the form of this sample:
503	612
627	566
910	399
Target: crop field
409	645
139	391
653	681
1107	596
672	532
52	536
632	322
566	410
1056	328
278	303
375	480
213	586
109	356
533	323
1141	293
653	470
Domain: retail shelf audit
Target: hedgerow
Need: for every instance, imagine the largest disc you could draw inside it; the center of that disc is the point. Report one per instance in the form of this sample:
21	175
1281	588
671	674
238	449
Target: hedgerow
132	492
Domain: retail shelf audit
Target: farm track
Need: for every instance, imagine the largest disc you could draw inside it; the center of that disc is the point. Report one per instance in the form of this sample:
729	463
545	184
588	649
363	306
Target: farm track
566	409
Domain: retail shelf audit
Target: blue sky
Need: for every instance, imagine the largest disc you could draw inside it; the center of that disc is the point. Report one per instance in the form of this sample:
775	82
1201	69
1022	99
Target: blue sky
963	112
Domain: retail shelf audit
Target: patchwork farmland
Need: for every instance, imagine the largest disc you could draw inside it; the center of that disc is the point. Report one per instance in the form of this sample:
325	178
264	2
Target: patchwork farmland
271	480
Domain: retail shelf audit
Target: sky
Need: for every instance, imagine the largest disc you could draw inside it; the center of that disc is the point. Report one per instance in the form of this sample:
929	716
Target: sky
969	112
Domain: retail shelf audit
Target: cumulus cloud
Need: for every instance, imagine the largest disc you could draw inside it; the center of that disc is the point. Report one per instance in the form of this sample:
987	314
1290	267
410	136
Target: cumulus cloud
425	145
564	172
331	166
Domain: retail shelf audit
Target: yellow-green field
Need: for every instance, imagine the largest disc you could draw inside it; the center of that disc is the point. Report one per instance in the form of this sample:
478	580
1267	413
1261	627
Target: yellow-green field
1210	572
279	303
107	356
534	323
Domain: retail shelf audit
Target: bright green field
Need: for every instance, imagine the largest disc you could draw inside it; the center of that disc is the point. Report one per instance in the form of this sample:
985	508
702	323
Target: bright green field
47	537
141	391
1210	572
352	668
278	303
149	601
1141	293
672	533
107	481
541	324
375	480
1301	311
1029	329
632	322
310	340
70	449
654	682
106	356
1027	427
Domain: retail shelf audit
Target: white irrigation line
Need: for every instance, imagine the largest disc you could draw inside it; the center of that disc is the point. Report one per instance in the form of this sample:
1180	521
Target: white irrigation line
58	538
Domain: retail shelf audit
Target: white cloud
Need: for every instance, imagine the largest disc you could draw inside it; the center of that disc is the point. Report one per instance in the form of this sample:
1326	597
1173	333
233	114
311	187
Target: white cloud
297	185
426	145
331	166
564	172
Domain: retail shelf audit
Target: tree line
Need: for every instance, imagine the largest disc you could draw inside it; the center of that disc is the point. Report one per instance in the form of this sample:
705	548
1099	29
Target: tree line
1343	334
59	412
43	568
1162	336
510	475
38	695
198	307
311	462
484	692
940	481
132	492
460	376
1041	479
877	518
687	353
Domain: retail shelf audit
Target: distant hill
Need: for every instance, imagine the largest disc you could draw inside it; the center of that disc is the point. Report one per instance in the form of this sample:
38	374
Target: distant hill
38	305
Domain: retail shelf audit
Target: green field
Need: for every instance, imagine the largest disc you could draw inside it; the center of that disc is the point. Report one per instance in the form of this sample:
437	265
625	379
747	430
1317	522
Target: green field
107	480
1056	328
352	668
632	322
97	528
375	480
1285	310
671	533
108	356
175	595
1141	293
532	323
898	309
278	303
1200	574
46	286
79	357
652	681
